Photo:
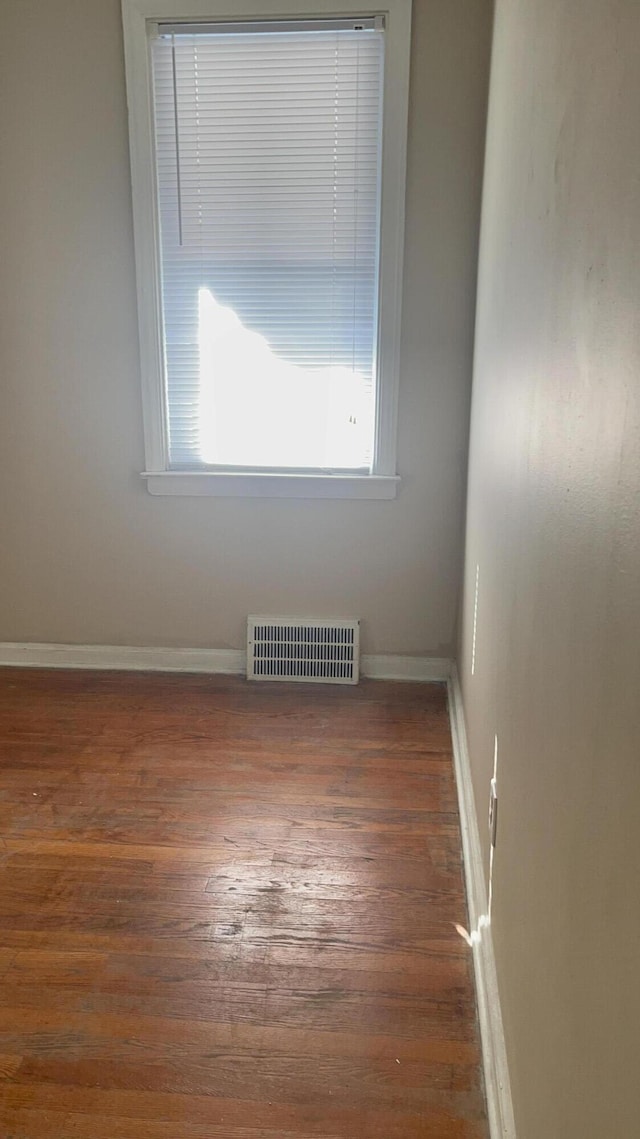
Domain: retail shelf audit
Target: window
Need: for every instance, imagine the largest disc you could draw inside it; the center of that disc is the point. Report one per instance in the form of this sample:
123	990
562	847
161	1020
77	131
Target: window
268	182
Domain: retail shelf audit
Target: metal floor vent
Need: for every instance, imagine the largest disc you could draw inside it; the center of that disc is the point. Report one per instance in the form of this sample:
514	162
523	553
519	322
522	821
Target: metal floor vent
299	648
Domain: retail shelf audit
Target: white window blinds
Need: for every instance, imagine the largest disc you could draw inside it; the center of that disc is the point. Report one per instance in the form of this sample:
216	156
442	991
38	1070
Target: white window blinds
268	141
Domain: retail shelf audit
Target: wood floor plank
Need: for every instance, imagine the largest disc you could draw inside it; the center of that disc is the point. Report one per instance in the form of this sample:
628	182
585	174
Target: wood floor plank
320	1116
319	1010
54	1033
228	911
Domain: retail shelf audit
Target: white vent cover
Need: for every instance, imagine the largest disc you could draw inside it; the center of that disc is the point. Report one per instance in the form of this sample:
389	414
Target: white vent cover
301	648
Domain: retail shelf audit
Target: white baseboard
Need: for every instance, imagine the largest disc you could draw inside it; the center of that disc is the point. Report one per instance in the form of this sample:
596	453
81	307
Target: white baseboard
129	657
125	657
496	1070
405	668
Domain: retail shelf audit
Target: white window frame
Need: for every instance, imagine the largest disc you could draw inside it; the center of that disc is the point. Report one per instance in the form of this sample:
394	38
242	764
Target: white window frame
383	480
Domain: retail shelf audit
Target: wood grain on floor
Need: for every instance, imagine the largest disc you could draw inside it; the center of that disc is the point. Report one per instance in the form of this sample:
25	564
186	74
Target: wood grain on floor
227	910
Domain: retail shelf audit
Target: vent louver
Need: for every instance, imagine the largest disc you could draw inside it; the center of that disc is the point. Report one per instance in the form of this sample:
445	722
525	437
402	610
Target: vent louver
300	648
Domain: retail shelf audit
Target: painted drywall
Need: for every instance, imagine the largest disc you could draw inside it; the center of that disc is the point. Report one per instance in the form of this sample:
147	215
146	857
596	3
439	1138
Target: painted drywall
554	527
87	555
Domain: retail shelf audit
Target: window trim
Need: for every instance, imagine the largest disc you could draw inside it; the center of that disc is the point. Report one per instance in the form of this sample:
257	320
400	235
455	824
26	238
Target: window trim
383	481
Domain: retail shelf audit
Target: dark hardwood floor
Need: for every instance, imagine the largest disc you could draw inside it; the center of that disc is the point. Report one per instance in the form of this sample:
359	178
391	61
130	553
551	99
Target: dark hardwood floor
227	912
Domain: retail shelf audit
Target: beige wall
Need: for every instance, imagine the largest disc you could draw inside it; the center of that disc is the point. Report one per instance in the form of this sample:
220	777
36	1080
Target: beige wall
554	526
86	554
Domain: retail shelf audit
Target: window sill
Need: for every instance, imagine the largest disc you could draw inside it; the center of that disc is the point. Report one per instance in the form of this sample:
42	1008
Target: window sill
250	485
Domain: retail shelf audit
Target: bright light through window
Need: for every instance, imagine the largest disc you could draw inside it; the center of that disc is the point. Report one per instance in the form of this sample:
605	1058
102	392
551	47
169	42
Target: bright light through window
258	410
